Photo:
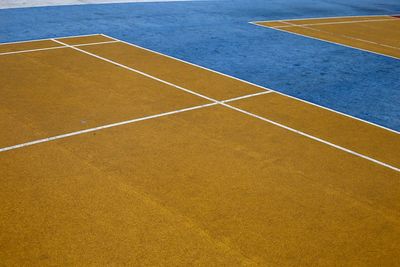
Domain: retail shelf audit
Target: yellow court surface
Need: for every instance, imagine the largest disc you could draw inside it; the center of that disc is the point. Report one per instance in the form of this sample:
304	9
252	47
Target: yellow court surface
377	34
112	154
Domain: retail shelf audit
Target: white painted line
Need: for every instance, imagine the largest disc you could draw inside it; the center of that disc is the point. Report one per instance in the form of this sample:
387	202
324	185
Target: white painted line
31	50
315	138
135	70
54	47
223	103
319	39
341	35
97	43
76	36
246	96
259	86
61	136
48	39
338	17
44	140
333	23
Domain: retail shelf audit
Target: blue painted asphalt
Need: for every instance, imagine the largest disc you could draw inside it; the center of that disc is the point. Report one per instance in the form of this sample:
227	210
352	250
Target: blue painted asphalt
217	35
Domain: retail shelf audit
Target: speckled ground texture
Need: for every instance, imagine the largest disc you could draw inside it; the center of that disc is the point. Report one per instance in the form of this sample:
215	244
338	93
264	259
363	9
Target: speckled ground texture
217	35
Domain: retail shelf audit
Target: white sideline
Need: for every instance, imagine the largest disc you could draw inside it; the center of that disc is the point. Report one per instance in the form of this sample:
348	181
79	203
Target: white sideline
259	86
48	39
315	138
51	48
334	17
326	41
223	103
333	23
332	42
31	50
247	96
342	35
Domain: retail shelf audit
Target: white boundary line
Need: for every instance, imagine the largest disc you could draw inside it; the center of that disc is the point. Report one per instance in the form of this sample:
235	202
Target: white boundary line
96	43
259	86
334	23
315	138
223	103
54	47
103	127
336	34
31	50
137	71
247	96
336	17
49	39
125	122
326	41
287	21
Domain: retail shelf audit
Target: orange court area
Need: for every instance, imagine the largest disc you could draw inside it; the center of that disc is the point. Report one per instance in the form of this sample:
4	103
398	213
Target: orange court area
377	34
111	153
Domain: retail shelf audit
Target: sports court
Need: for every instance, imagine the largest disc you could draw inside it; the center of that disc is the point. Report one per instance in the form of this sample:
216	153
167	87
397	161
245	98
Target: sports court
113	153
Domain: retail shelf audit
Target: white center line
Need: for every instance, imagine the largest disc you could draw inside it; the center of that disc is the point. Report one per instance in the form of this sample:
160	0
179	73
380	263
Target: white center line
48	139
43	140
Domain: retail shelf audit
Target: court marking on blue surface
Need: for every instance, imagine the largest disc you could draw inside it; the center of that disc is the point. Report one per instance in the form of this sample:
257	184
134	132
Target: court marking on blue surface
282	28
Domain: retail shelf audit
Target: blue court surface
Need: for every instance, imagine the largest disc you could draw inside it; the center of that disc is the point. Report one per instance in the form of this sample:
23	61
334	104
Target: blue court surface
218	35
